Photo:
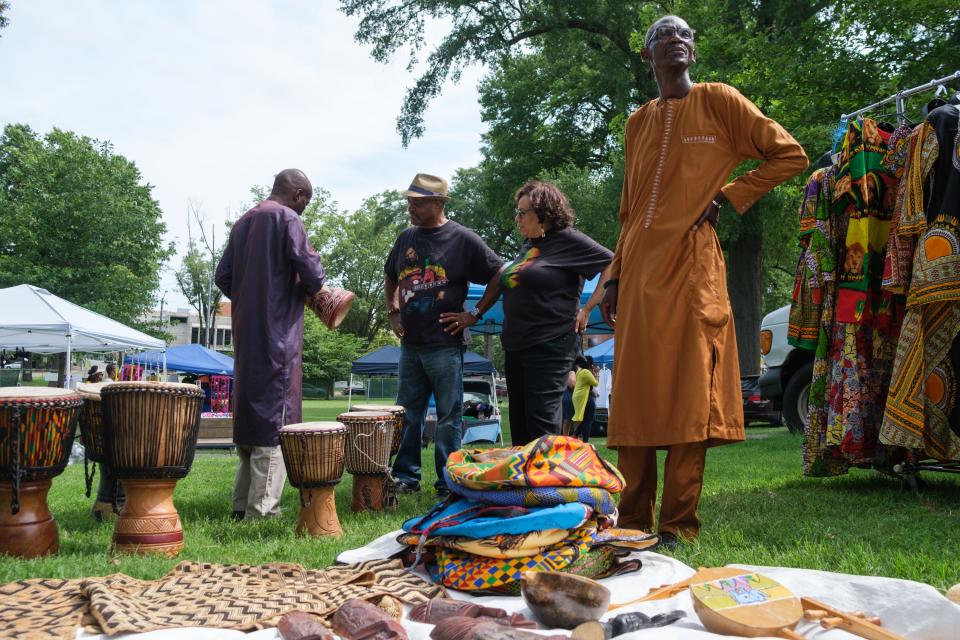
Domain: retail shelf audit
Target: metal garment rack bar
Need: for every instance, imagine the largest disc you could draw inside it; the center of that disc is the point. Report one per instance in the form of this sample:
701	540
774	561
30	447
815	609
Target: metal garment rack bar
901	97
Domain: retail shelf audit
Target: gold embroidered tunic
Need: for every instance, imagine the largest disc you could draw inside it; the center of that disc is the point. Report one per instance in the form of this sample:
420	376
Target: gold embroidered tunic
676	377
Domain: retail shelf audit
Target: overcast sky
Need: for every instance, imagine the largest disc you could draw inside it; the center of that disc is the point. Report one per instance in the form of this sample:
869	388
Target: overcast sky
210	97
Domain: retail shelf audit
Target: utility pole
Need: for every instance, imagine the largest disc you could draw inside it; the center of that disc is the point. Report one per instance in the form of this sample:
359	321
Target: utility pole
213	267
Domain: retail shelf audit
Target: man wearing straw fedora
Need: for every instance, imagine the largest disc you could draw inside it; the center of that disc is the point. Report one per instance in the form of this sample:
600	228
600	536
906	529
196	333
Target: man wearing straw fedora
267	269
427	274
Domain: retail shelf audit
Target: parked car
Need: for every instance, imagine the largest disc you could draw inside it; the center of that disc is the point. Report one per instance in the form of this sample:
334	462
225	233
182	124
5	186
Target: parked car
756	408
789	370
479	406
343	388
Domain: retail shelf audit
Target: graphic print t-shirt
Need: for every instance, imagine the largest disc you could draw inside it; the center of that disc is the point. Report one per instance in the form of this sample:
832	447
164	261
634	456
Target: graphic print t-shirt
432	268
541	288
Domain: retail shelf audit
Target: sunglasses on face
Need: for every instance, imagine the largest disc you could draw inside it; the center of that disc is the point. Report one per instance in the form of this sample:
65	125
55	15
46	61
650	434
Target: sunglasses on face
667	31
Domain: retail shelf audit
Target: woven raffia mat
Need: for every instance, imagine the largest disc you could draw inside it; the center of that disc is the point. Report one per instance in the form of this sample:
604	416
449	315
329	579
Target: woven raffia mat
194	594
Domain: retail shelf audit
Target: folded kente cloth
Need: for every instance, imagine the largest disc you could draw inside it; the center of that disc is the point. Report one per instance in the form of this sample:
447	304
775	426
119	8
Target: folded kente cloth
601	500
479	520
548	461
469	572
598	563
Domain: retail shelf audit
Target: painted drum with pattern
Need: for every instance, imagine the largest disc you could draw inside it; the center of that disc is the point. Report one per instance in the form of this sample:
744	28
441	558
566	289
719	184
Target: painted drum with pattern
37	426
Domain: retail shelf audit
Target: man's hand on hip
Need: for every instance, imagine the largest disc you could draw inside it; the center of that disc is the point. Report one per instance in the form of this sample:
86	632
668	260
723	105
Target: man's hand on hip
608	305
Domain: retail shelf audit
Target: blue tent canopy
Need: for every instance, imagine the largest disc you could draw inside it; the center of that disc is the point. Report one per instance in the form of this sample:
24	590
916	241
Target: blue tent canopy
188	358
602	354
385	361
492	322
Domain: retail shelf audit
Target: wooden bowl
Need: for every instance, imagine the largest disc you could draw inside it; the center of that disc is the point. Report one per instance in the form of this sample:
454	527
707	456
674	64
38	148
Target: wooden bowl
563	600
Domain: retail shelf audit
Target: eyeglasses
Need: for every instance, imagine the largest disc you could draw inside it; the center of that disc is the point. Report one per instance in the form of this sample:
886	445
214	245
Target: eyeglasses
667	31
519	212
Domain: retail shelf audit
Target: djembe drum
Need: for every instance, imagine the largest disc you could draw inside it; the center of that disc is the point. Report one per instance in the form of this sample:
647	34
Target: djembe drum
369	434
394	409
110	495
313	453
151	437
37	425
331	305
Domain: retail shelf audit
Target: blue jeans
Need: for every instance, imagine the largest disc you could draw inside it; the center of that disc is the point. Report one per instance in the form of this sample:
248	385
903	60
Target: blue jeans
426	370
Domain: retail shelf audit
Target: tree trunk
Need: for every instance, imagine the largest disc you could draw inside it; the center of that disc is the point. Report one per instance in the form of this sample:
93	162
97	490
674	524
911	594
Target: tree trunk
488	346
744	282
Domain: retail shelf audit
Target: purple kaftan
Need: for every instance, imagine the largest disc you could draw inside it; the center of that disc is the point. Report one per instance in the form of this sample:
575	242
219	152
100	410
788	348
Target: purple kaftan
267	268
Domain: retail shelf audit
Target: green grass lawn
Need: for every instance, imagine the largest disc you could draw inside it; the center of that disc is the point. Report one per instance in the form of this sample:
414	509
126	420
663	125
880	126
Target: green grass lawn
756	508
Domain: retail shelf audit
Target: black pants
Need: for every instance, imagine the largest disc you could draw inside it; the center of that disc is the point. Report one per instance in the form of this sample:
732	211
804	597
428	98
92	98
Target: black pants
583	431
536	378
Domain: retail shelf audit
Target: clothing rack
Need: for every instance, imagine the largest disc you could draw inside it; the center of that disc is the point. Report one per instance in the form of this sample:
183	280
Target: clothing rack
901	97
908	470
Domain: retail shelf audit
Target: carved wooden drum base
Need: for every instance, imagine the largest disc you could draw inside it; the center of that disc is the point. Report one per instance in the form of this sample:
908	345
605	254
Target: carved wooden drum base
318	514
32	532
369	493
148	522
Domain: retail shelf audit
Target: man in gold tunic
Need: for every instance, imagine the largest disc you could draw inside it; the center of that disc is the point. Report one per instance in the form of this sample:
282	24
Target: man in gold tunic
676	379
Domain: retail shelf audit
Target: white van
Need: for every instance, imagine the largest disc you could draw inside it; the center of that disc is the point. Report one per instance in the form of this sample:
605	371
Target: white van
789	370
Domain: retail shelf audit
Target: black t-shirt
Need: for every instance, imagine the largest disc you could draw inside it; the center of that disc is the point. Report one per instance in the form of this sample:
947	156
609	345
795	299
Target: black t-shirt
432	268
541	288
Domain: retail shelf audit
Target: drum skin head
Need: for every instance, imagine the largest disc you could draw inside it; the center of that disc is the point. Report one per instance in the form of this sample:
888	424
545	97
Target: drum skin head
357	408
310	427
365	415
45	393
91	390
182	388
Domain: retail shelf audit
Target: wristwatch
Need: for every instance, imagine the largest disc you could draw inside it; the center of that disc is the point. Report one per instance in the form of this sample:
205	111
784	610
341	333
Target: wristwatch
475	312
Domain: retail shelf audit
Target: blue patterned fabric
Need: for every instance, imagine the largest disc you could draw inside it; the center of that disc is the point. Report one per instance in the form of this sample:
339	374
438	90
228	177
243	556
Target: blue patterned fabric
478	520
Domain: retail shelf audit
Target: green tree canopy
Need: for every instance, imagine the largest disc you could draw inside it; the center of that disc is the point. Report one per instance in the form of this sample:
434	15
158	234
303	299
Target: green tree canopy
78	219
564	76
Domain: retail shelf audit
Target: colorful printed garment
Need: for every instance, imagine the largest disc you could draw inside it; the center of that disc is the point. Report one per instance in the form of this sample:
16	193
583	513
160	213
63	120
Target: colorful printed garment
867	318
818	459
548	461
922	411
803	329
600	500
901	243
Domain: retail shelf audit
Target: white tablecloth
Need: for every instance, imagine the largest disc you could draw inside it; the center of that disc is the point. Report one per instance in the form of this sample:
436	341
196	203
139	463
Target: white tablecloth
912	609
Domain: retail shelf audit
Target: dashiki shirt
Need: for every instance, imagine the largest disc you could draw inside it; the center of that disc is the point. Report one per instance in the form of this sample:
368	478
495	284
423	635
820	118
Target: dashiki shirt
922	411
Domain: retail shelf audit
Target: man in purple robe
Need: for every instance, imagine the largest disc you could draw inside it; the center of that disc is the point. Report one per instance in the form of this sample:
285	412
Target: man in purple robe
267	269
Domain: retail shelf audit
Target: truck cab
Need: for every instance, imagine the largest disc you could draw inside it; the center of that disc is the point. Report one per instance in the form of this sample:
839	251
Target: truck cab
788	370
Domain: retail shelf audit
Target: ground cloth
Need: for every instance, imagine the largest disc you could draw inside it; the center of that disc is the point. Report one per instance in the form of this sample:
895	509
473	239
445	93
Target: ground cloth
914	610
224	596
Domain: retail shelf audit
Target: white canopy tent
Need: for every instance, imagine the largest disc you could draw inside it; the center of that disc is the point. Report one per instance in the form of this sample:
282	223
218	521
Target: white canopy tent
33	319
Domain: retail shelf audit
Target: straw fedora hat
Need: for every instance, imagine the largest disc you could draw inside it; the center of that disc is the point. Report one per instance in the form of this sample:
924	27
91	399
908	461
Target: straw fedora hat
425	185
